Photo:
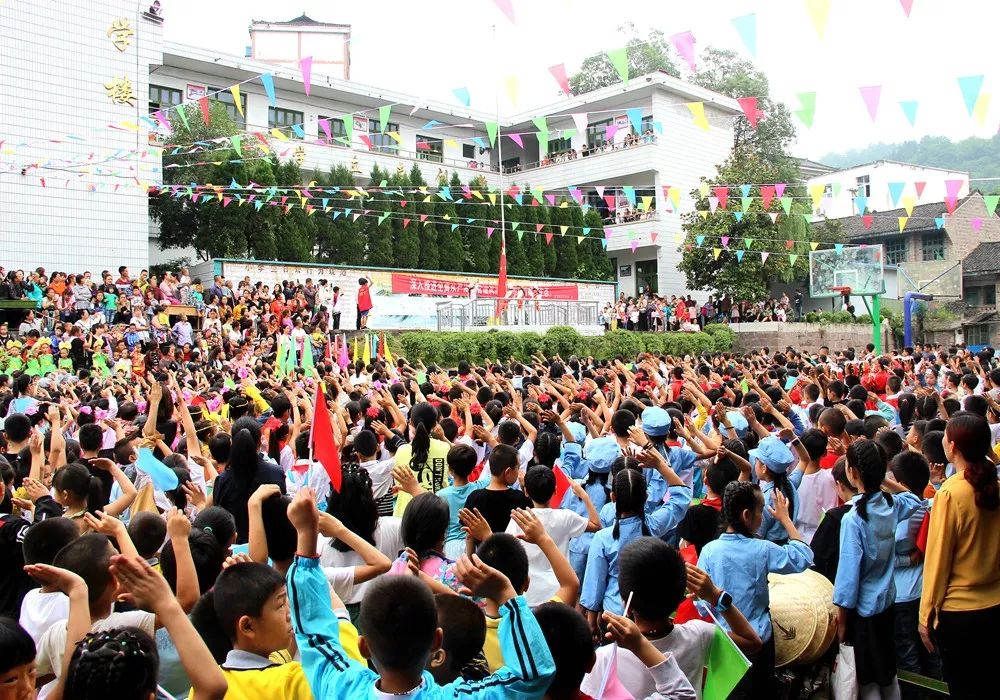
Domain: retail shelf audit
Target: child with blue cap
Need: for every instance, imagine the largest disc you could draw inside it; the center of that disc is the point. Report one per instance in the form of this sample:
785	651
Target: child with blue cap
657	426
771	461
591	465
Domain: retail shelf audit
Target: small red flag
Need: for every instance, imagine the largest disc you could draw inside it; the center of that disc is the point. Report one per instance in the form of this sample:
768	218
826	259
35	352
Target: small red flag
562	486
324	446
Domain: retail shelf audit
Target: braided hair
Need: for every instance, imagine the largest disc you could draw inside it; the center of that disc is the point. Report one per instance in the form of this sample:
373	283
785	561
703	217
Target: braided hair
354	505
867	458
740	496
121	663
629	487
423	418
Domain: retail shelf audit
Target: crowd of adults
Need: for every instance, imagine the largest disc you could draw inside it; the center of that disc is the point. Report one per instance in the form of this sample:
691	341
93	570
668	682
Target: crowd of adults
482	530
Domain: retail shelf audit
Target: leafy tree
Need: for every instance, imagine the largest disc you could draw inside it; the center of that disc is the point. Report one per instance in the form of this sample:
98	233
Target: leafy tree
517	260
378	234
405	236
567	260
427	232
477	245
450	246
534	244
338	240
548	248
644	56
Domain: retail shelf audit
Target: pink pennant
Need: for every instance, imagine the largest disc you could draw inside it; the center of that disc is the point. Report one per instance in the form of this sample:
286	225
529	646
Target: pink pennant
634	245
610	201
977	223
953	187
609	132
600	190
779	189
653	236
507	7
205	113
406	222
951	203
539	227
559	73
763	256
489	231
723	194
766	195
551	199
423	218
467	191
227	200
366	141
684	43
306	66
919	186
713	203
749	105
402	203
907	7
789	245
871	95
516	138
325	125
725	241
548	239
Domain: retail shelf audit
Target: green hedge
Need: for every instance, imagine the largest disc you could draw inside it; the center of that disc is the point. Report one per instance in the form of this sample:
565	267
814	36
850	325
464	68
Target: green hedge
448	348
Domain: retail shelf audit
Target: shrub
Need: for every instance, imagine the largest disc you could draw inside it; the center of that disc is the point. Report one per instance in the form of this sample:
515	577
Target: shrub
562	340
812	317
722	335
531	344
506	345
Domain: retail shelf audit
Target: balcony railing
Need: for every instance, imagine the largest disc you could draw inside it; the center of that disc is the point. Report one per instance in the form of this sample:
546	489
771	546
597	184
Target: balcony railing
569	156
631	217
481	313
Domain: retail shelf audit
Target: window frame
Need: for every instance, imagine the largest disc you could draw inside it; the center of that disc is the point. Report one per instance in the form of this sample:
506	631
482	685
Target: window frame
471	146
272	122
595	130
901	251
562	140
381	141
929	243
159	105
864	181
225	97
335	134
982	334
433	155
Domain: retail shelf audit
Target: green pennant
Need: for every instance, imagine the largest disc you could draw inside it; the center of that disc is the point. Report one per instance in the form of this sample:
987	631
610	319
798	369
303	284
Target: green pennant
747	242
520	235
540	123
568	133
491	130
792	258
619	59
836	189
543	141
538	193
184	118
348	120
991	203
745	202
786	204
383	217
383	117
235	140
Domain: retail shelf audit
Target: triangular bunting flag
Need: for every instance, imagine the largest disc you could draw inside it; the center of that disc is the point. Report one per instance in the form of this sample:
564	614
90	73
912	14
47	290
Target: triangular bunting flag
268	82
749	106
763	256
306	66
895	190
462	95
786	204
909	108
939	222
867	220
991	203
715	252
970	85
792	258
908	203
491	131
684	43
619	59
746	26
871	95
819	13
698	114
559	73
808	111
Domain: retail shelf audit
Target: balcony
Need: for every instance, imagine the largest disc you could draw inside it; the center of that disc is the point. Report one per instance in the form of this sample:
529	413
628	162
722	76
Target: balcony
599	166
641	232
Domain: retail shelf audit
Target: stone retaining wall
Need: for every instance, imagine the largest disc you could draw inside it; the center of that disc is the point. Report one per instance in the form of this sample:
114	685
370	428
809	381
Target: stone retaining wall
807	336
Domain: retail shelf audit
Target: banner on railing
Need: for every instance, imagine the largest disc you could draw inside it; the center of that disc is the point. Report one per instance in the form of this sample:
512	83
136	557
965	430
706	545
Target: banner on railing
403	283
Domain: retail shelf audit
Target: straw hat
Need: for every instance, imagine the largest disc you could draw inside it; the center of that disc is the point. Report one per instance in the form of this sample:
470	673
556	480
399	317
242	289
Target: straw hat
803	616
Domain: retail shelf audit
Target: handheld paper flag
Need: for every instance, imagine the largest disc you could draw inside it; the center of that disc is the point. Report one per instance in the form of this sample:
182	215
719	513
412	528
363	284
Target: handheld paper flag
324	446
163	477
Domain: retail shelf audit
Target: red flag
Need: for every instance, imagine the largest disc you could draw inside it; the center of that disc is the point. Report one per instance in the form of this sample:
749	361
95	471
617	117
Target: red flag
562	486
324	446
502	279
205	113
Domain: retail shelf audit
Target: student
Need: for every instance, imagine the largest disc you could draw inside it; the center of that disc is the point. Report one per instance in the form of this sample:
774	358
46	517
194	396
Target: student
423	529
817	491
568	636
495	502
739	563
148	532
424	455
863	591
463	628
17	661
14	583
79	493
461	462
402	631
45	606
369	452
306	472
561	524
826	541
833	423
912	471
772	459
654	577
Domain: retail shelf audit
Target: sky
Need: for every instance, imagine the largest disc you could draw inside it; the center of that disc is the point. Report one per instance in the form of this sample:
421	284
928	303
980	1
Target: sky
427	49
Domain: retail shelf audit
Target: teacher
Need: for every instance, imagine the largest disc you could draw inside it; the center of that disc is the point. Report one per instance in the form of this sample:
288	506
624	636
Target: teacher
364	303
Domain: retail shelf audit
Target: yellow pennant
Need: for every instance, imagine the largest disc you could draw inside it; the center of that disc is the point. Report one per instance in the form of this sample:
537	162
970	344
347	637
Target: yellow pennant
902	222
703	213
451	142
702	190
510	83
715	252
678	237
493	198
235	89
396	137
477	194
646	202
698	114
908	202
816	192
277	133
675	196
563	229
814	245
982	108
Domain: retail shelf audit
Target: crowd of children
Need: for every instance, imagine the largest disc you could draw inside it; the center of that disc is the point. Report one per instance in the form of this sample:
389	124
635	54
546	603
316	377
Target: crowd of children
526	530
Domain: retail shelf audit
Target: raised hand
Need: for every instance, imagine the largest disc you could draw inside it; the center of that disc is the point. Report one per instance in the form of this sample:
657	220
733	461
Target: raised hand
474	524
302	511
145	588
532	529
483	581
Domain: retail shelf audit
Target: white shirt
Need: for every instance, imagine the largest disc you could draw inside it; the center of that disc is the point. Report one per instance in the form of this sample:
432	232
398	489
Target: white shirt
380	472
689	643
39	611
817	494
314	475
341	580
561	525
388	540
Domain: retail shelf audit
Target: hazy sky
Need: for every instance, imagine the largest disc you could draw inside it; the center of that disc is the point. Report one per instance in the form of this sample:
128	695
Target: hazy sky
429	48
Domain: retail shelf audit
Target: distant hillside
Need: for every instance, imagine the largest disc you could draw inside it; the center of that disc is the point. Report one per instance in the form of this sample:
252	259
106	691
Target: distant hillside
980	157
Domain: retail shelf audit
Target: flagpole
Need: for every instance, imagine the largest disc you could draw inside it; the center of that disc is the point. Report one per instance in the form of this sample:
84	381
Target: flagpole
503	219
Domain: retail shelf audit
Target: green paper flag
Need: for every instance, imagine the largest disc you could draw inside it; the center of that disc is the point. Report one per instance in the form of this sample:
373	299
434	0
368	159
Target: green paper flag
991	203
540	123
808	111
619	59
184	117
235	140
543	141
786	204
383	117
348	120
747	242
792	258
491	130
228	383
726	663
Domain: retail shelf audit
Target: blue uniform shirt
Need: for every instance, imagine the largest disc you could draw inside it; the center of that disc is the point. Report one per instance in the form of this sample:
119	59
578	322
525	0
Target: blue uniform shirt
909	577
770	528
867	553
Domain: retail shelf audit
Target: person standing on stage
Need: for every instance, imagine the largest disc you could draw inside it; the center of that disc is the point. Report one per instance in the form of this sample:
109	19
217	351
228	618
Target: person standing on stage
364	303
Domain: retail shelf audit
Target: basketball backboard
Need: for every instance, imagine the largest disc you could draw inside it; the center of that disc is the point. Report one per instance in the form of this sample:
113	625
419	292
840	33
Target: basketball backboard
939	278
857	267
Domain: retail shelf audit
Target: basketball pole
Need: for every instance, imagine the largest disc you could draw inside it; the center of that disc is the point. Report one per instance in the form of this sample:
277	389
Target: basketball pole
877	323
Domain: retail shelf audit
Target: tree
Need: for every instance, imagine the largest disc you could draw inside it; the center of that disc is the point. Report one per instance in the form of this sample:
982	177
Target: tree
644	56
406	240
594	261
567	262
725	72
427	232
338	240
450	246
377	229
544	218
477	245
534	245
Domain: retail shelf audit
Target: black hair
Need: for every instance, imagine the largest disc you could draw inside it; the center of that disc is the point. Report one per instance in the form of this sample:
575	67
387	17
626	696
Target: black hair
977	404
278	530
701	525
832	419
970	435
621	421
653	574
366	444
547	447
89	557
912	471
243	454
208	558
423	418
219	523
506	554
148	531
906	405
629	488
569	639
77	480
719	474
464	627
424	523
872	424
242	590
540	483
462	460
354	505
43	540
855	428
17	426
891	443
815	441
399	618
16	645
120	663
220	447
740	496
508	432
865	457
933	448
208	626
502	458
90	437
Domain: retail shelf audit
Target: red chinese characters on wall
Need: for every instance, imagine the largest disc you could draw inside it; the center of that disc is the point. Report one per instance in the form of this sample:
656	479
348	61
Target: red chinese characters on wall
429	286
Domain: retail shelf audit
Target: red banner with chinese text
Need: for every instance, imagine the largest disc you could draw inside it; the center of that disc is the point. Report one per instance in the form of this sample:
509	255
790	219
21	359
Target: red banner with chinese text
429	286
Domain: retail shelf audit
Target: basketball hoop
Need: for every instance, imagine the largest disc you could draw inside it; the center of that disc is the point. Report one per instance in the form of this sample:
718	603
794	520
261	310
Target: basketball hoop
844	291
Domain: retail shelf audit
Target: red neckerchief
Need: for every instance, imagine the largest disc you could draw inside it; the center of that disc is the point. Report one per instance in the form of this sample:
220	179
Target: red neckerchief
713	503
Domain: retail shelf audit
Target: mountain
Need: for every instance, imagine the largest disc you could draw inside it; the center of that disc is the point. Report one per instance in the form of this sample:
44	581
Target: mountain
980	157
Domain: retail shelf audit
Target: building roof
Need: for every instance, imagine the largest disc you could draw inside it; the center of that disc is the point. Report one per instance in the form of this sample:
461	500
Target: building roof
886	223
812	166
984	259
302	20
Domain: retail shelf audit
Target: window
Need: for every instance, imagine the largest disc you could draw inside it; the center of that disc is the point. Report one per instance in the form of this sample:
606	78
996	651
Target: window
895	251
225	97
381	141
972	296
989	296
163	98
646	125
864	186
978	334
933	246
283	119
337	130
469	151
561	145
596	135
432	148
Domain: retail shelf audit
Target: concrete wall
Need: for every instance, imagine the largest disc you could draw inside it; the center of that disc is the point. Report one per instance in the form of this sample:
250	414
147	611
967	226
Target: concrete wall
64	212
806	336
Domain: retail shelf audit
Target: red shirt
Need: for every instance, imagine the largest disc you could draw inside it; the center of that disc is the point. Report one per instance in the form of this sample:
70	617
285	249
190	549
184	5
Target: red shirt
364	298
827	461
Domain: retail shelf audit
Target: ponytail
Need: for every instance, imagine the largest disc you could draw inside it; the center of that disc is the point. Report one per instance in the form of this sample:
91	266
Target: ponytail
781	483
966	432
95	496
630	497
867	458
76	479
739	496
243	453
423	418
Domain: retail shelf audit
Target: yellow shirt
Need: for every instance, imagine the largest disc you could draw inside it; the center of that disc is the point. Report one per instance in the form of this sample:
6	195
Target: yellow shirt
962	563
432	475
